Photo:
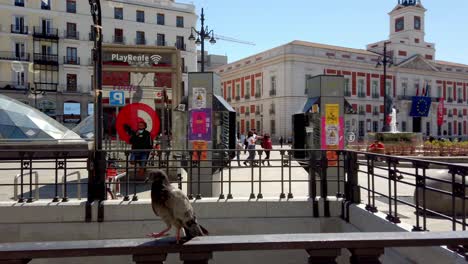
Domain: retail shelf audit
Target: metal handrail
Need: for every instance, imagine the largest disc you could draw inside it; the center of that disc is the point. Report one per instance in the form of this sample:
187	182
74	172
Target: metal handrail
78	187
36	183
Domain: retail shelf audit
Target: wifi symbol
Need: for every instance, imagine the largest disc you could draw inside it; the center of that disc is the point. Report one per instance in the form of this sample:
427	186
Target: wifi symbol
156	58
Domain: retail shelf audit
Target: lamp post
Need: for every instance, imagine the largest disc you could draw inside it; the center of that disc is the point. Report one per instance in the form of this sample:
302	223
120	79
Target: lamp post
202	34
386	61
96	186
33	91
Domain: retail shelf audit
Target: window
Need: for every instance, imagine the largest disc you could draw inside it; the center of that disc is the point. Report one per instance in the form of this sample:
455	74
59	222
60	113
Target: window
19	50
399	24
71	31
347	91
180	21
45	4
46	26
71	6
417	23
375	89
450	93
361	128
307	77
388	87
160	19
18	27
19	2
237	90
459	94
180	43
272	85
259	128
118	35
140	16
361	92
229	92
362	110
376	110
140	38
118	13
19	79
439	92
428	90
375	126
404	88
403	126
72	56
161	40
71	82
247	89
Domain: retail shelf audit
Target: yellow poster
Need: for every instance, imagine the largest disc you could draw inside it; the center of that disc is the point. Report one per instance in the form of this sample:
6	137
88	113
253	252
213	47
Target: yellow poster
332	114
199	147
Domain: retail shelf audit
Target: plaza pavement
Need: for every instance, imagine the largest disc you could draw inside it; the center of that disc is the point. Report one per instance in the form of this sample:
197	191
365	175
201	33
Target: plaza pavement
241	185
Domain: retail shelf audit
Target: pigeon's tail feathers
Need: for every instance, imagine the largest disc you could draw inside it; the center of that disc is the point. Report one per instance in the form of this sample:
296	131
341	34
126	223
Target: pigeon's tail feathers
193	229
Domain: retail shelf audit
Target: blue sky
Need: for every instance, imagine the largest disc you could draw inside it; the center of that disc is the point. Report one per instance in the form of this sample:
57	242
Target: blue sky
349	23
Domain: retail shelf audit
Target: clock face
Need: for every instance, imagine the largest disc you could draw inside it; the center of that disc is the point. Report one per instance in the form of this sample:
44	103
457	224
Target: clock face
400	24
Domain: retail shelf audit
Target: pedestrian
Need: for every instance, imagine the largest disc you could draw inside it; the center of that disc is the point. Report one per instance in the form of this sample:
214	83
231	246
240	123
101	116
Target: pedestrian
142	144
246	144
251	148
267	147
281	141
239	147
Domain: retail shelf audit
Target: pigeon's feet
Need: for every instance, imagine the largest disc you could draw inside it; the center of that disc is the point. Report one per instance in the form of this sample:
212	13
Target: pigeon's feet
158	235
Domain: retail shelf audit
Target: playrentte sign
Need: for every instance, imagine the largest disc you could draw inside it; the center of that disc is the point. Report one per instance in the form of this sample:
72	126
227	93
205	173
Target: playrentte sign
136	59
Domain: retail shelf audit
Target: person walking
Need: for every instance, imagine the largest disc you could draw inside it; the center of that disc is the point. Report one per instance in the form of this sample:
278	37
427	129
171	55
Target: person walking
250	148
239	147
142	144
267	147
281	141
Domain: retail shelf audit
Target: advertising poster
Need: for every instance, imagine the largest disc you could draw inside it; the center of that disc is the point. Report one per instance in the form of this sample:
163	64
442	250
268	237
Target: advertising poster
200	125
198	98
332	132
199	147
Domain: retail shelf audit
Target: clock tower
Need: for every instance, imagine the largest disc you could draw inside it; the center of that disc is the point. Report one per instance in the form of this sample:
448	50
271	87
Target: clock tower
407	32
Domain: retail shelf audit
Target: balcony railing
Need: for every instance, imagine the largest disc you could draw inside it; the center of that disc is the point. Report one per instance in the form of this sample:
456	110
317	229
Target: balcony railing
321	248
18	29
361	95
450	100
46	86
272	92
257	113
229	99
69	34
180	46
91	36
460	115
247	113
161	43
140	41
258	95
6	55
460	101
71	60
118	39
14	86
450	115
376	113
45	59
362	112
247	96
237	98
40	32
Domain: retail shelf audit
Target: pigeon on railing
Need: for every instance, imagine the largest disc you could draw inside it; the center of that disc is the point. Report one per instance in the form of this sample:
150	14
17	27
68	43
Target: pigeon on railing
173	206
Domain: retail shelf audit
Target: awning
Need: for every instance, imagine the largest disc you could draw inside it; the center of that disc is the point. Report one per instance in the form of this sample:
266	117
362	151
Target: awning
308	105
219	104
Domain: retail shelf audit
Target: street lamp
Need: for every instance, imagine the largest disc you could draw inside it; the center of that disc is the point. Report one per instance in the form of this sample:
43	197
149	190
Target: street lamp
33	91
203	34
385	61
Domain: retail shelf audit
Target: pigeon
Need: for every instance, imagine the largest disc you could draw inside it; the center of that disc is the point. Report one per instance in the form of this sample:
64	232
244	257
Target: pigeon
173	206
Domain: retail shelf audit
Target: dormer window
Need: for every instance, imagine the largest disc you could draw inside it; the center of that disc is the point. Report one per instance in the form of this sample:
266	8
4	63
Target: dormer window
399	24
417	23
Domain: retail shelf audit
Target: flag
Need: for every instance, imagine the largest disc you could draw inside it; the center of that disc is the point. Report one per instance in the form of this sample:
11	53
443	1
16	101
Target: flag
420	106
440	112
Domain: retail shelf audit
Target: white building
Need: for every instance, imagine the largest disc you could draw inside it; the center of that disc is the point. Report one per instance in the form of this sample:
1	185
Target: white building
268	88
46	45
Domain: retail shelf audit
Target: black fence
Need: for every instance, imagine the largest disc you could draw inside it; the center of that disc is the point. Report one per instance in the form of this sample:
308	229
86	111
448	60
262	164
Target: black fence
429	195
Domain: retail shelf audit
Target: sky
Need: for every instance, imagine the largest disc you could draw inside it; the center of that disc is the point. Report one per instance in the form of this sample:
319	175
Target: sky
348	23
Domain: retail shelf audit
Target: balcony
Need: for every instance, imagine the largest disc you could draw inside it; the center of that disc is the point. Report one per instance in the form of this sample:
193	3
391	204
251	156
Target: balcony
375	96
19	29
247	96
14	86
140	41
247	113
347	93
361	95
257	113
46	86
237	98
181	46
47	33
15	56
376	113
229	99
272	92
45	59
460	101
258	95
450	115
362	112
161	43
72	60
116	39
70	34
19	3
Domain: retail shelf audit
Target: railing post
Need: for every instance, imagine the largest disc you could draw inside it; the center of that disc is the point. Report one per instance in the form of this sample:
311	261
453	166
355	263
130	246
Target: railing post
196	258
353	193
323	256
365	255
150	259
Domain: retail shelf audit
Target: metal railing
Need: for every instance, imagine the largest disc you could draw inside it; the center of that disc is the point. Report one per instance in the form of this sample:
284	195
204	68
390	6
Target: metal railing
73	60
376	96
45	58
70	34
272	92
45	32
258	95
7	55
118	39
247	96
161	43
364	248
14	86
237	98
347	93
140	41
181	46
18	29
393	185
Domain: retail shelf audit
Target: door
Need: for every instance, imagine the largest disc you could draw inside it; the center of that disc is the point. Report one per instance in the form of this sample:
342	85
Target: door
19	79
19	24
19	50
46	26
417	125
